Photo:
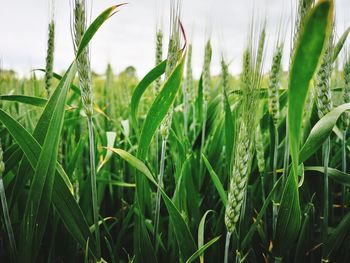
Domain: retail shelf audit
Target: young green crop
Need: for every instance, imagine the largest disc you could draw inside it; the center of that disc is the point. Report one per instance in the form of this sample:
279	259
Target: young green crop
224	164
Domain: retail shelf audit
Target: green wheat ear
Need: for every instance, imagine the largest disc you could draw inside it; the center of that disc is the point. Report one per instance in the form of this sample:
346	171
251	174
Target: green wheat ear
172	58
83	62
259	147
84	73
345	117
158	59
50	57
250	83
239	178
274	84
206	70
323	78
225	75
189	75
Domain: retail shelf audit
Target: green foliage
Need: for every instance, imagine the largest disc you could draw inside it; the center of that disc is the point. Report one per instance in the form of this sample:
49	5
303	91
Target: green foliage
220	155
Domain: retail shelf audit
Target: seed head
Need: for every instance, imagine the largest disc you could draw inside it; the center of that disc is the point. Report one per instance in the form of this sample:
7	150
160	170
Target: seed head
323	76
206	70
259	147
50	57
274	84
159	58
83	62
345	117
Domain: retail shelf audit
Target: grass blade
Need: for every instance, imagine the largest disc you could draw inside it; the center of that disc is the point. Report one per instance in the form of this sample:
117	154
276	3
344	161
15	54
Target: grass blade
201	250
201	234
321	131
95	25
62	196
339	46
159	108
153	75
35	101
336	175
182	233
40	193
216	181
309	48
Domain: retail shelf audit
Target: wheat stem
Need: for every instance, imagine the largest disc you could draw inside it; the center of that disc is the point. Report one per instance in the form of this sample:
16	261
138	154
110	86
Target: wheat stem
185	112
94	186
206	89
160	182
343	170
274	168
324	105
205	111
172	59
227	246
5	209
344	124
326	152
84	72
285	157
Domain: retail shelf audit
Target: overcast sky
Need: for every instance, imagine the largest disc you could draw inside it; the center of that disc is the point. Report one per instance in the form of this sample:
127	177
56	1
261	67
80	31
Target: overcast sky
128	37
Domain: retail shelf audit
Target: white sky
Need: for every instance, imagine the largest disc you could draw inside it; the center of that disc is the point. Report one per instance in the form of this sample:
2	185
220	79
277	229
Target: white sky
128	37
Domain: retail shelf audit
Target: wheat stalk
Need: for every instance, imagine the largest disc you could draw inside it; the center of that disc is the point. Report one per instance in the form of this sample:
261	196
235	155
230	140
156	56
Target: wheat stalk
323	76
172	58
225	75
344	124
274	85
84	73
190	87
206	88
345	117
244	143
273	97
324	105
5	209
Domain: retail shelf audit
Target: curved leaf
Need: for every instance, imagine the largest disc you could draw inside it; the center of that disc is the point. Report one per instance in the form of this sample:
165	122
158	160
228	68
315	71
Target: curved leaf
35	101
160	108
340	44
183	235
201	234
201	250
40	192
62	197
93	28
308	52
309	48
336	175
59	77
216	181
335	239
151	76
321	131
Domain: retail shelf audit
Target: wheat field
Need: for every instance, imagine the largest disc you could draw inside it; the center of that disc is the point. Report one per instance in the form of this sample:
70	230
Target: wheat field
168	167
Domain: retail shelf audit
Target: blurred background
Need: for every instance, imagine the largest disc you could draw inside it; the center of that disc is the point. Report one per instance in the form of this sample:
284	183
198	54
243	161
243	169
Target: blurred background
129	37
